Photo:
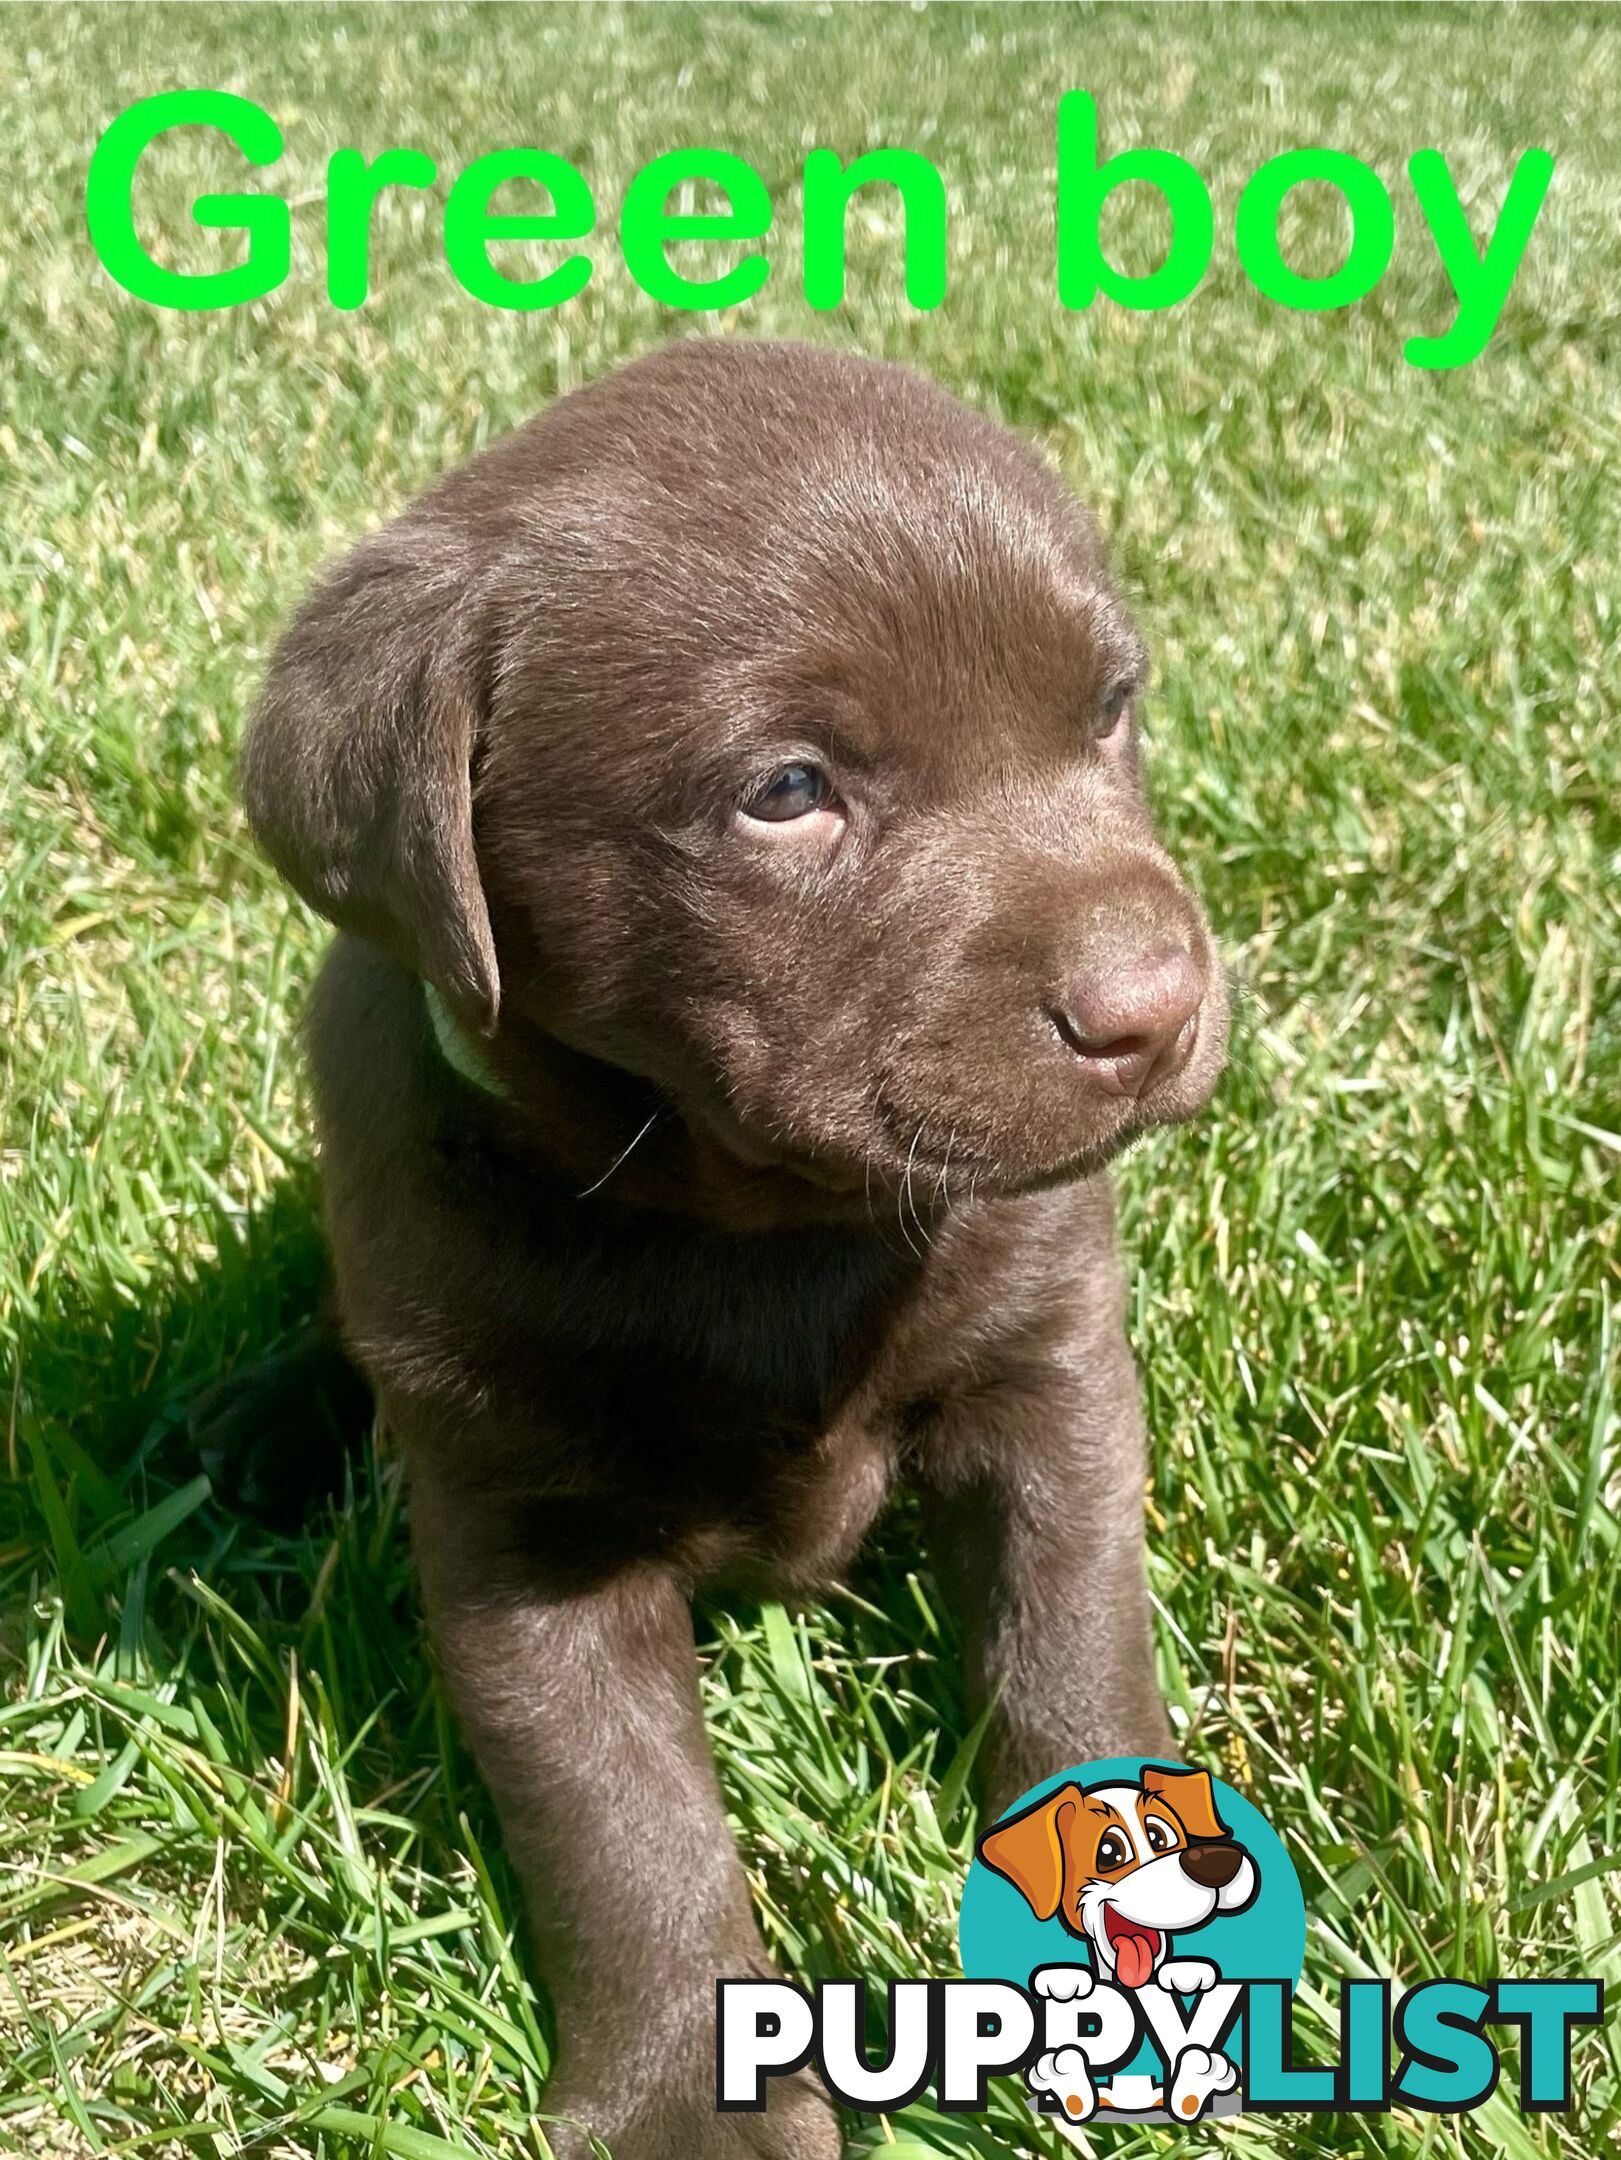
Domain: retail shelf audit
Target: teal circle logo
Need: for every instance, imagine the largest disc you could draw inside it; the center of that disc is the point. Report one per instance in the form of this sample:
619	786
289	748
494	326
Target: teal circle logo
1135	1899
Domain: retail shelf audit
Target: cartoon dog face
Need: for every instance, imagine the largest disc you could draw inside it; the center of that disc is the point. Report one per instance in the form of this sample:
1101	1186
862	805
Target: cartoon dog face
1125	1867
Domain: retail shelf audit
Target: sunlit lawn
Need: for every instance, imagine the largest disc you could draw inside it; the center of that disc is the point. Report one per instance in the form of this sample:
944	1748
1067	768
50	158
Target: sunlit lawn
252	1898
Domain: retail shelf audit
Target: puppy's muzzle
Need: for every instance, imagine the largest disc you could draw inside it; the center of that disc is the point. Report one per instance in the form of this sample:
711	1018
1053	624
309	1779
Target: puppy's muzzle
1133	1021
1213	1863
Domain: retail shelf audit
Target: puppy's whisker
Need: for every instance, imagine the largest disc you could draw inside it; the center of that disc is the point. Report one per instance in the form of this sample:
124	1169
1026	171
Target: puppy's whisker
906	1189
942	1190
909	1197
900	1224
903	1196
872	1212
621	1157
925	1226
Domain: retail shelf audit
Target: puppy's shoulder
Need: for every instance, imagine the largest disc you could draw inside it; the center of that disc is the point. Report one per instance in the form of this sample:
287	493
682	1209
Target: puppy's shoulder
389	1109
364	1031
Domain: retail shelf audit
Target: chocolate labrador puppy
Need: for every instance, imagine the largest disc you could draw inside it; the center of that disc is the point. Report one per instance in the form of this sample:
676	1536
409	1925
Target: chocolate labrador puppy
754	947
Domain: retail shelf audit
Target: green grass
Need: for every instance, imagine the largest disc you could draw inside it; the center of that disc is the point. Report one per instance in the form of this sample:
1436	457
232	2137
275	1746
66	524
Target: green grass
251	1897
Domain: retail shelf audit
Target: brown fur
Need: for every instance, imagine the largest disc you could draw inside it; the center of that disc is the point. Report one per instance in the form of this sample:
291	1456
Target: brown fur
795	1188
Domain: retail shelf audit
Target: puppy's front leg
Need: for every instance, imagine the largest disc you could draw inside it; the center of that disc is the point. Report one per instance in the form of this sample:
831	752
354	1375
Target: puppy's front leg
1033	1500
581	1705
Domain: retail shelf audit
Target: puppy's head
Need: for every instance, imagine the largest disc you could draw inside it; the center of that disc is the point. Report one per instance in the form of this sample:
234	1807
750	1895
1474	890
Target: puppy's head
764	723
1125	1866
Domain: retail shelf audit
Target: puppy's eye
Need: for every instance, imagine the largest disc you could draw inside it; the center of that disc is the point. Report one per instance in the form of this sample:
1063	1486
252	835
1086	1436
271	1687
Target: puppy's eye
1113	1851
1159	1838
794	792
1115	701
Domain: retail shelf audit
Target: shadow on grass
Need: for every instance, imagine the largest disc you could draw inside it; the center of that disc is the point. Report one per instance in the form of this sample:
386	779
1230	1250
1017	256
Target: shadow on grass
158	1579
110	1511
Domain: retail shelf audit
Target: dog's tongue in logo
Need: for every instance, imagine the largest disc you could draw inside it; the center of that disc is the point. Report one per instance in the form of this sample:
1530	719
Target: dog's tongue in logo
1135	1948
1133	1901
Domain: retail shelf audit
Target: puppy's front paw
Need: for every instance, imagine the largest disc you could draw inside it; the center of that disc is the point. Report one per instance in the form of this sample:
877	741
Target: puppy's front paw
1064	1983
798	2123
1187	1976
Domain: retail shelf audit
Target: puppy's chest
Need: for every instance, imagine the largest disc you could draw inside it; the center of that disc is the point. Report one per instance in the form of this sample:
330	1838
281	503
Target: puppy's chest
722	1395
768	1335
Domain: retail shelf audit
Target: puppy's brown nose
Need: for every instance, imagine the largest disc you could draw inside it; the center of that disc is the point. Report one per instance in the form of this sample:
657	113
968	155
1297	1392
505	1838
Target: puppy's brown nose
1213	1866
1131	1021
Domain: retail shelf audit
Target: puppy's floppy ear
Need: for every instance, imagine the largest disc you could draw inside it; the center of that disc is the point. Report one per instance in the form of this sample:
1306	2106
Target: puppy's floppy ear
1028	1848
357	769
1191	1798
